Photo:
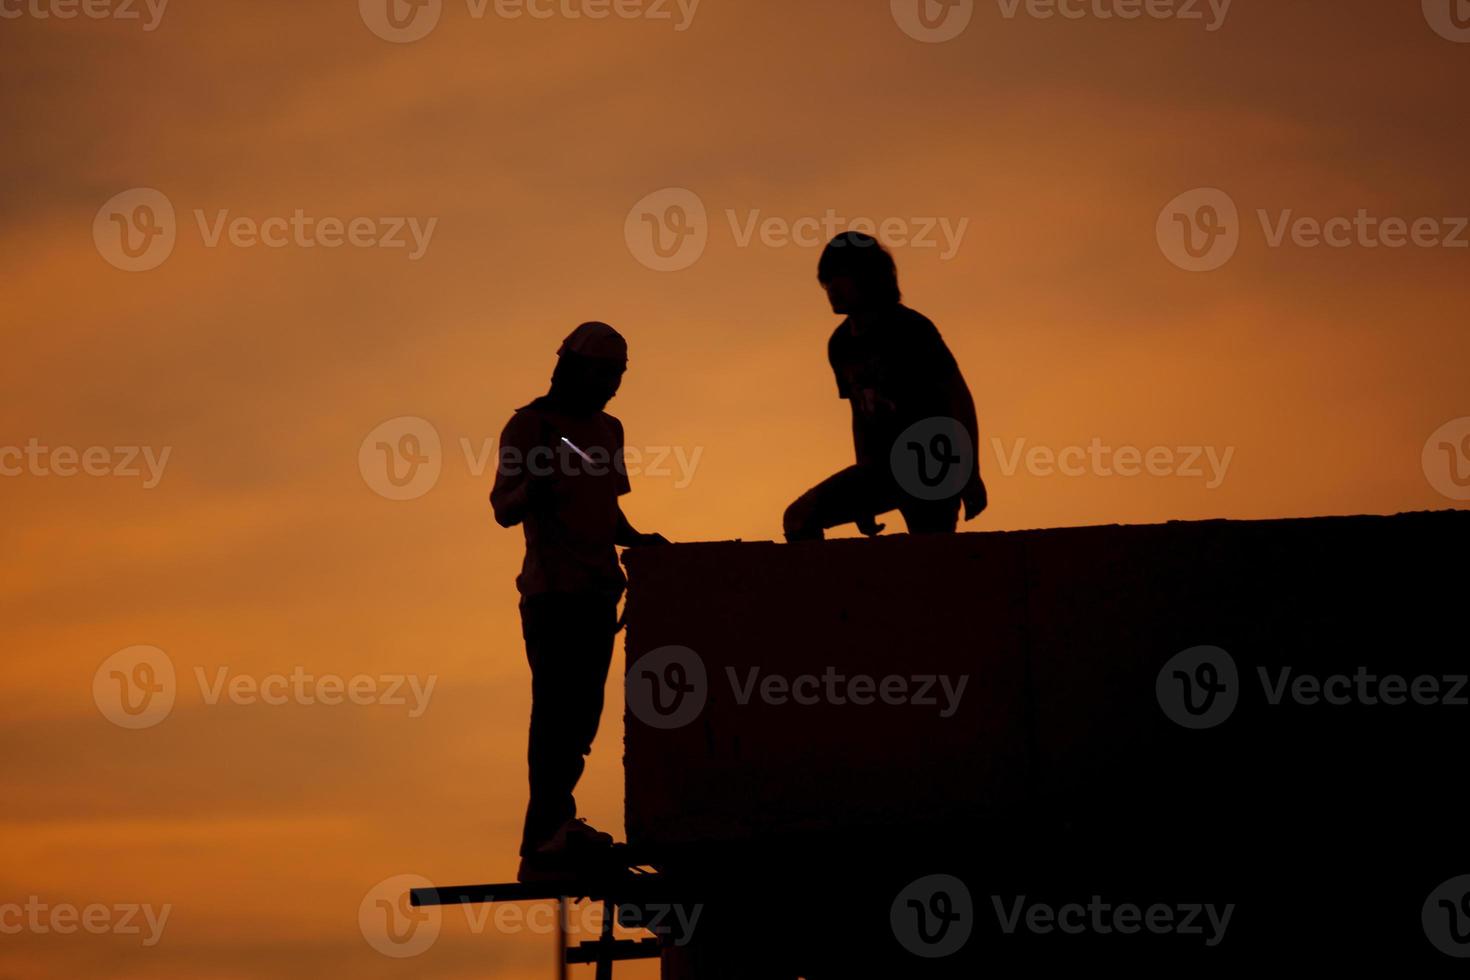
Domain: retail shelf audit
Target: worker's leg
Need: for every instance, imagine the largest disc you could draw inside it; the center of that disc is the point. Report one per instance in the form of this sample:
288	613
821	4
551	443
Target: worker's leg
569	642
844	498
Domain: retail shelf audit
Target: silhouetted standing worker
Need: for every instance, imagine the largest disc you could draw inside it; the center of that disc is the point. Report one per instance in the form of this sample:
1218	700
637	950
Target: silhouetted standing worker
913	420
560	475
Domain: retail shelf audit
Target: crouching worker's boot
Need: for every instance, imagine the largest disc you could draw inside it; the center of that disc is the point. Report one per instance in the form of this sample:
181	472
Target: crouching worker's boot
575	847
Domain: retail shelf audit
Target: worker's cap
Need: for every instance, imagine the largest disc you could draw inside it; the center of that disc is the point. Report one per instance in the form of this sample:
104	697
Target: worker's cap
597	340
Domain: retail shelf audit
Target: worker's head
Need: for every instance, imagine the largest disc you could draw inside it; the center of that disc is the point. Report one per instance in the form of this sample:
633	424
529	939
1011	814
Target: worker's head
589	367
858	274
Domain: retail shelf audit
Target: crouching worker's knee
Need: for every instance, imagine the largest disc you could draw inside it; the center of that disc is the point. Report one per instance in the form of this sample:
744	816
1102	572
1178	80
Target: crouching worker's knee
800	522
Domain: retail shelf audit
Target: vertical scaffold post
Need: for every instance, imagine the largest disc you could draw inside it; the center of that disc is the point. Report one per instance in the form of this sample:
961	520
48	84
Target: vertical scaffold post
561	938
604	956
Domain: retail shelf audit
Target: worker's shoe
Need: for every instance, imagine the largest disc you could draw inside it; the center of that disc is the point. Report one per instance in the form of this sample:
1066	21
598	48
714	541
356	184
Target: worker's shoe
576	848
576	836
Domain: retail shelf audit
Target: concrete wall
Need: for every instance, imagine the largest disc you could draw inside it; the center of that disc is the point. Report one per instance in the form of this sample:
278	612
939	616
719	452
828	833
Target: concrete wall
1061	756
1062	635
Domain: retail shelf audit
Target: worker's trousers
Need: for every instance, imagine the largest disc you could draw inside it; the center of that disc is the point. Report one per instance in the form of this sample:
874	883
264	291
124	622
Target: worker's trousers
569	643
861	492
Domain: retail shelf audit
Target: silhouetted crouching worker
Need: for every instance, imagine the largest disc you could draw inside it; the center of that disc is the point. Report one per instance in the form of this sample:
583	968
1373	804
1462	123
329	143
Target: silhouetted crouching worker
560	475
913	420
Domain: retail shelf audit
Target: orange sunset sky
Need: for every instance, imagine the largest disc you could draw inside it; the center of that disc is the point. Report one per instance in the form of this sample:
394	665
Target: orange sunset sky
1320	380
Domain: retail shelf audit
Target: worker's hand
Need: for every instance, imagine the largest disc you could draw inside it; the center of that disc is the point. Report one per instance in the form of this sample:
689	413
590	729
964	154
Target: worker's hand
870	526
645	540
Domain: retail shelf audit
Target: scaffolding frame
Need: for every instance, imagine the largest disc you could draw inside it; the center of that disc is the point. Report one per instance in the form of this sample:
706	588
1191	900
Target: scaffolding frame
616	882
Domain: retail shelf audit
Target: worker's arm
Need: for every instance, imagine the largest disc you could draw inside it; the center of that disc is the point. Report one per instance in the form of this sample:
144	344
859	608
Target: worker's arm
629	537
517	491
512	503
934	361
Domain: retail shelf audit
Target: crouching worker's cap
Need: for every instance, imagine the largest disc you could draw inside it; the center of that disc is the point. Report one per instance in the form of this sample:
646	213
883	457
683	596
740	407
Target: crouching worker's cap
595	340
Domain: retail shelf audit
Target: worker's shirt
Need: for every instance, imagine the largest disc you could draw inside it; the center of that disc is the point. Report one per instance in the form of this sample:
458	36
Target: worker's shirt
895	370
570	541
